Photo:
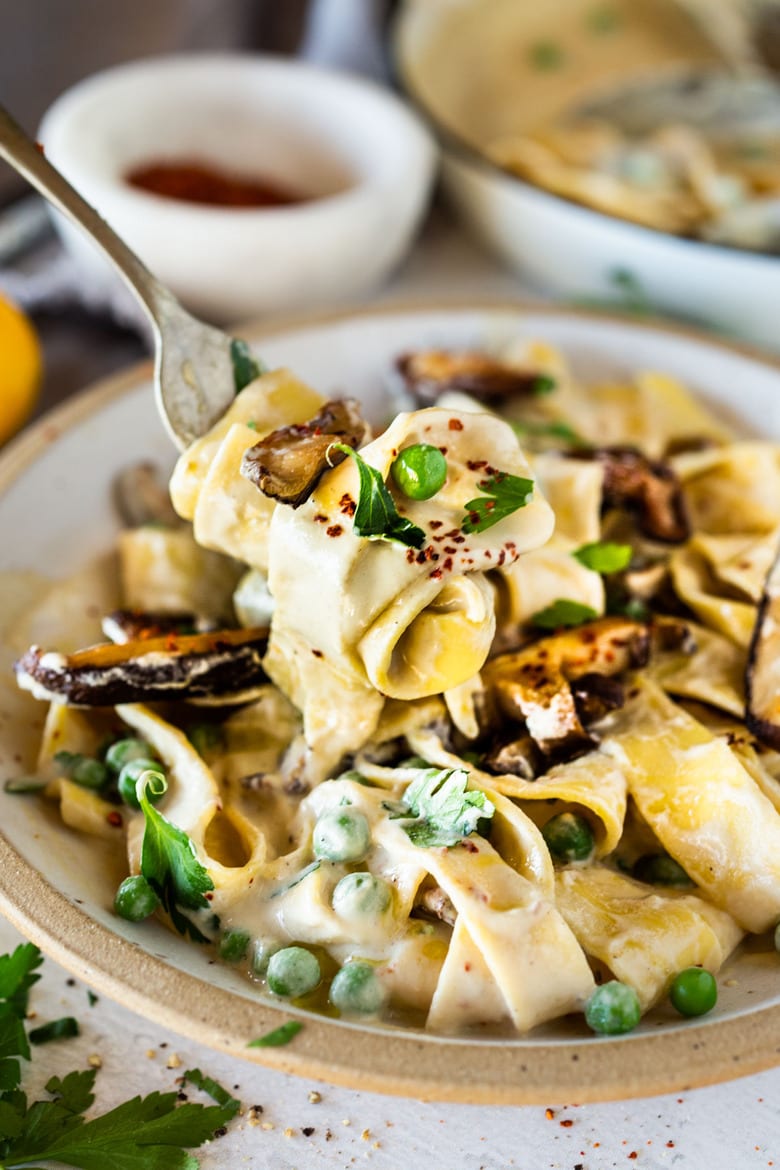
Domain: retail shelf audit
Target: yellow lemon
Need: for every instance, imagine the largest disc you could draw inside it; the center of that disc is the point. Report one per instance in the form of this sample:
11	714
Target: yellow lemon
20	368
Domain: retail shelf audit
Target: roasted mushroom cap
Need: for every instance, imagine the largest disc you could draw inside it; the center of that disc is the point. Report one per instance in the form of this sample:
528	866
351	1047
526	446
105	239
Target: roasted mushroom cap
648	487
533	684
762	677
223	667
287	464
430	373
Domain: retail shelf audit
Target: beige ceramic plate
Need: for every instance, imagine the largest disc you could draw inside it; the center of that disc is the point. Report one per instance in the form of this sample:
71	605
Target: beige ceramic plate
57	887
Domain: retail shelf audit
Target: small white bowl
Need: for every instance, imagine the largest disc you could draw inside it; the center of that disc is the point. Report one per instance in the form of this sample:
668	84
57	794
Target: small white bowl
363	156
459	60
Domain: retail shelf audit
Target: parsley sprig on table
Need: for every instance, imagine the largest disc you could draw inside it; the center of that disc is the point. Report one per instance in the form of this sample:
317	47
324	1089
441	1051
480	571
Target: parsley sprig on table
376	515
144	1133
503	495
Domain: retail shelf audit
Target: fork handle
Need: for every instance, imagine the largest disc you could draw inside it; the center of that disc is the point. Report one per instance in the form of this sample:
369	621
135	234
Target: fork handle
26	157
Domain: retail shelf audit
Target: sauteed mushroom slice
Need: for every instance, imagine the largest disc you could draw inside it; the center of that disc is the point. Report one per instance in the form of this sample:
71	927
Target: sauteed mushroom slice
287	464
648	487
534	684
516	755
762	677
220	668
430	373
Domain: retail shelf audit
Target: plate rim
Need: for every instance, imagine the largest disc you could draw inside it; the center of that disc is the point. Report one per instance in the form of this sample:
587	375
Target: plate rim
400	1063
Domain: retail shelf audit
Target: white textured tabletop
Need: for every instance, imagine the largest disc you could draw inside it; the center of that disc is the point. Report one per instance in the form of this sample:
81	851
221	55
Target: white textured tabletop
305	1125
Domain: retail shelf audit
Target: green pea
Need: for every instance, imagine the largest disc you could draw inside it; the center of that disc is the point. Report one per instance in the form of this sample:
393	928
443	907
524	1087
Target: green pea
694	992
128	781
613	1009
292	972
361	894
341	834
135	899
569	837
419	471
82	770
262	950
659	869
356	988
124	750
233	945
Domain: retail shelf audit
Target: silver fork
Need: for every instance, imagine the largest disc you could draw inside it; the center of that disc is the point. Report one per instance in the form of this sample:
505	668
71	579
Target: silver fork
193	367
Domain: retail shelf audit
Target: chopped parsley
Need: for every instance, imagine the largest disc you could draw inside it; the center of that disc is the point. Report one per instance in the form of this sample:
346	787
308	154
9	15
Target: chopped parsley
62	1029
246	367
504	494
376	515
546	55
169	862
278	1037
193	1076
604	556
563	612
144	1133
444	809
542	385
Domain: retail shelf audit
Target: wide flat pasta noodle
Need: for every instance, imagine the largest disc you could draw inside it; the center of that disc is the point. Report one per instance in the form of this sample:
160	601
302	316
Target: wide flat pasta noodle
642	934
702	804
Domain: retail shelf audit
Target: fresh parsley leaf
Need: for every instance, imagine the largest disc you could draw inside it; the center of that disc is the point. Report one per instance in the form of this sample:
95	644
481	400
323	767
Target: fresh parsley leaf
62	1029
169	862
74	1092
17	976
563	612
279	1037
446	810
542	385
603	556
145	1133
504	494
193	1076
376	515
246	367
299	877
551	430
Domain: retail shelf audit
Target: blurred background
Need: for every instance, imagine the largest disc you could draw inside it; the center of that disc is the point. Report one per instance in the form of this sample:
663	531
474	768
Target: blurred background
608	152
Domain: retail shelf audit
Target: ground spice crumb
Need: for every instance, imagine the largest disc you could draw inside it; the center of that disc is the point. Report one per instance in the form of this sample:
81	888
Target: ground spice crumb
567	1122
221	1131
31	1016
95	1061
289	1132
366	1135
70	982
579	1166
346	1121
633	1154
670	1145
307	1130
315	1097
267	1125
174	1061
731	983
378	1145
328	1135
182	1096
151	1053
549	1114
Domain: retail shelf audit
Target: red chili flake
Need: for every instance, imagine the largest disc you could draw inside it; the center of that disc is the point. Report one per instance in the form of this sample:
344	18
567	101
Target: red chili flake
567	1122
501	557
633	1155
476	464
436	574
422	557
469	846
318	654
436	523
411	555
549	1114
320	519
467	966
670	1145
114	819
455	424
459	540
488	554
448	548
334	530
209	897
347	504
447	566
